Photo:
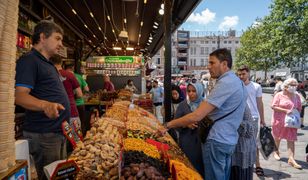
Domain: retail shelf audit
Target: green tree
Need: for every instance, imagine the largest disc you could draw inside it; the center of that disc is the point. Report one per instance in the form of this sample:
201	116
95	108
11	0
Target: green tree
289	28
278	39
255	50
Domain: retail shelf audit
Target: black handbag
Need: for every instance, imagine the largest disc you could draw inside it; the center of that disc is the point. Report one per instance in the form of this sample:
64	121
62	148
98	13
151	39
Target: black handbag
204	128
205	125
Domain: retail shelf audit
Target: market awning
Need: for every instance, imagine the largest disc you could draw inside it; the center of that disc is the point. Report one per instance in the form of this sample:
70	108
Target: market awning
126	24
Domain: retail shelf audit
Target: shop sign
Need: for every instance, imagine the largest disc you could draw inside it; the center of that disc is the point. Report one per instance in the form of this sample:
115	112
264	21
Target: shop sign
64	170
119	59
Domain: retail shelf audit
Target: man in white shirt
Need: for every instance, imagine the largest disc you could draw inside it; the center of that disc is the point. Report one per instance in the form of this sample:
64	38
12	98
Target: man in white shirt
255	103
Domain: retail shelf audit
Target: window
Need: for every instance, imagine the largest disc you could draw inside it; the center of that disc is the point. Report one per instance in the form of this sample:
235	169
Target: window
206	42
202	51
202	62
191	50
195	49
213	48
230	42
158	61
236	42
225	42
206	51
194	62
213	42
202	42
206	61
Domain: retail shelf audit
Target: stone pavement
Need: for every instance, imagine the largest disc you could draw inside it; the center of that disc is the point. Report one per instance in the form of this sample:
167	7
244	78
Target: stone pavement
276	170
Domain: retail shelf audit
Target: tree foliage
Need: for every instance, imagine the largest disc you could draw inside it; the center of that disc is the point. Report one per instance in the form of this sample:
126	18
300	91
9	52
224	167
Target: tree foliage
280	38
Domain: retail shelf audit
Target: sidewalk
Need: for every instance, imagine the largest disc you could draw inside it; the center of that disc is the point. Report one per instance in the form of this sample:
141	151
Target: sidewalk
275	170
281	169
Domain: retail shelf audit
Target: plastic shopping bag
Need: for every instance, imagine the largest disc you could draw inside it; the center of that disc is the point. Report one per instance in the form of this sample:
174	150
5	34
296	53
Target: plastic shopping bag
267	142
292	120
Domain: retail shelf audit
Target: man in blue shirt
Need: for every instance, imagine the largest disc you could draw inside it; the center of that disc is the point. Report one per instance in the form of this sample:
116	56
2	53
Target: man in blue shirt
40	91
157	96
227	96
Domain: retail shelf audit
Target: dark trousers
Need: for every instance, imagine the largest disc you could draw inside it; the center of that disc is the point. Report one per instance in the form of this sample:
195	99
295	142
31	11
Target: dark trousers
45	148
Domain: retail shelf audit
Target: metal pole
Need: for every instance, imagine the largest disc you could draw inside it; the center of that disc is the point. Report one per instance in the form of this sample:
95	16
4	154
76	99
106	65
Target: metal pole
168	53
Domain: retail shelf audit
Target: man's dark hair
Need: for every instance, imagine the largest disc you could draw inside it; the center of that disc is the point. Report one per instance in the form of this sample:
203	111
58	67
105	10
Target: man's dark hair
244	68
69	66
277	78
223	54
46	27
128	81
56	59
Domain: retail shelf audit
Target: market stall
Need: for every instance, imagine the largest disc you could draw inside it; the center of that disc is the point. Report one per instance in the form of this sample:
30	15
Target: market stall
119	68
124	144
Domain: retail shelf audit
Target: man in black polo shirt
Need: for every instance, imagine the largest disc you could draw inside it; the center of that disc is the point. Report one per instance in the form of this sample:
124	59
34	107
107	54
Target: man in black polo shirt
40	91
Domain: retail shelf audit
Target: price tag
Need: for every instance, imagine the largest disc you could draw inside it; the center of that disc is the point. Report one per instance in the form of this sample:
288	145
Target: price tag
65	170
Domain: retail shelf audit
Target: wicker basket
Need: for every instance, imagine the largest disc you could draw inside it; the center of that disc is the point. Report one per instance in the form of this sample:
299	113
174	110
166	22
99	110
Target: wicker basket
8	32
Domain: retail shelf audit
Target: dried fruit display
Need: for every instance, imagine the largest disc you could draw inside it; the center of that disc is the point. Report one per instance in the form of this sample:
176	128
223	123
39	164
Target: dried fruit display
140	134
98	156
125	94
183	172
138	165
133	144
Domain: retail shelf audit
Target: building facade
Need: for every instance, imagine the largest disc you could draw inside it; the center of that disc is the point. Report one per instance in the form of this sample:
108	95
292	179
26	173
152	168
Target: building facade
190	50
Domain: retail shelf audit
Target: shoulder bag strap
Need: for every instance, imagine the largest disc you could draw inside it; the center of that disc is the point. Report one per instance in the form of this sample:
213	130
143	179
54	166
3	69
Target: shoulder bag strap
229	112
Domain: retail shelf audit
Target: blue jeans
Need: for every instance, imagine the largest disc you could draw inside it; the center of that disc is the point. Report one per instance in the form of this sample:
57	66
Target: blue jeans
217	160
45	148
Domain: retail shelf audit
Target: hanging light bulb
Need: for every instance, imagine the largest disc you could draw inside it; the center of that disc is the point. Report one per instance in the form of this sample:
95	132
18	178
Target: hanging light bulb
161	11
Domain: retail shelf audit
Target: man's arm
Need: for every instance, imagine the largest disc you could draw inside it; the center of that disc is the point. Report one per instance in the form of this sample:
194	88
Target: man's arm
27	101
204	109
261	109
86	88
78	92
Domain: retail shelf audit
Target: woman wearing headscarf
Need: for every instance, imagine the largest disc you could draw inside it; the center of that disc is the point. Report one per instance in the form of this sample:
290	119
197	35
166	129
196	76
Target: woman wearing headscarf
189	140
177	97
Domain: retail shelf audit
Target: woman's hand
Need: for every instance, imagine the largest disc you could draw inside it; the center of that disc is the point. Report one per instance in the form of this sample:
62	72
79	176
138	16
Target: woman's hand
163	130
288	111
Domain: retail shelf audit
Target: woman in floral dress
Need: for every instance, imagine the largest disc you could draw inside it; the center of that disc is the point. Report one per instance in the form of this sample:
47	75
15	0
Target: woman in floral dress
285	102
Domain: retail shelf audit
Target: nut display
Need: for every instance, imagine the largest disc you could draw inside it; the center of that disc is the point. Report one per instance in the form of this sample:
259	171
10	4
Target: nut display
98	156
104	149
138	165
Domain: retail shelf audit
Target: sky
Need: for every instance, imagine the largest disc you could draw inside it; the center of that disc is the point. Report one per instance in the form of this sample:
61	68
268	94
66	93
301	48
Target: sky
221	15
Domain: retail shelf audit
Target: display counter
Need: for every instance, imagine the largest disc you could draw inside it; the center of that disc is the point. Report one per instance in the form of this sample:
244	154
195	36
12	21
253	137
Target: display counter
124	144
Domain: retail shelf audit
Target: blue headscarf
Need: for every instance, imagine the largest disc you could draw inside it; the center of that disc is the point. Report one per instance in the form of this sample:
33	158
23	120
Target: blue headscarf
200	91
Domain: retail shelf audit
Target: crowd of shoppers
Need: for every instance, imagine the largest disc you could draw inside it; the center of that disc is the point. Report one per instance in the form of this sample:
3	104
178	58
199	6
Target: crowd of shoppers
48	93
234	153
